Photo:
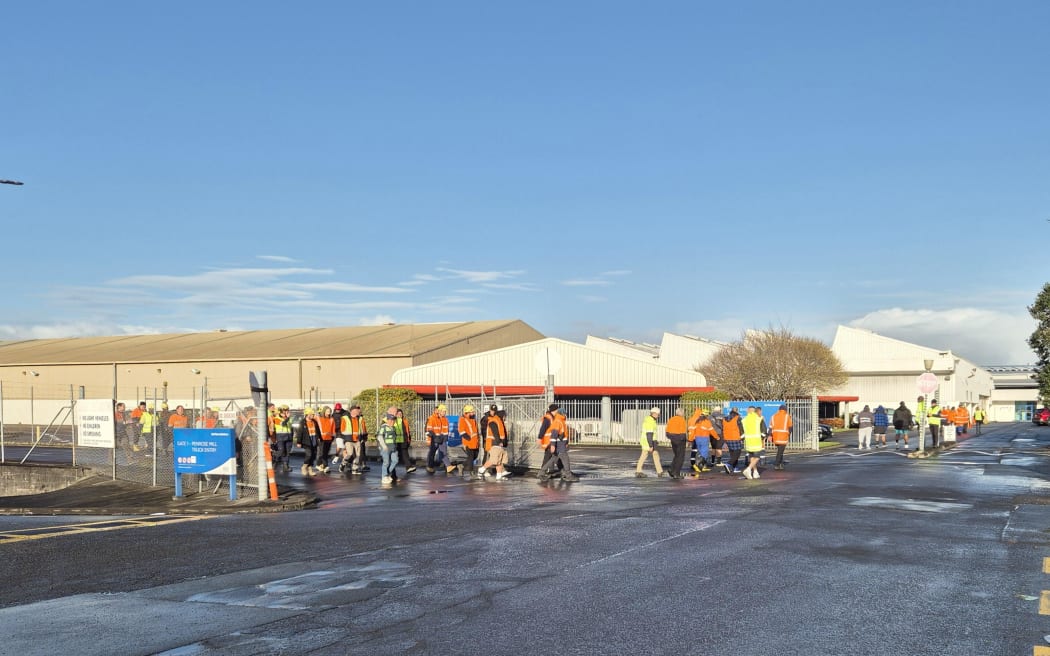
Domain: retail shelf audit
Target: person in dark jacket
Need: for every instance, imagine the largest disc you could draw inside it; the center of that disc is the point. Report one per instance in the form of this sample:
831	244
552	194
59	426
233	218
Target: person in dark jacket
882	422
902	421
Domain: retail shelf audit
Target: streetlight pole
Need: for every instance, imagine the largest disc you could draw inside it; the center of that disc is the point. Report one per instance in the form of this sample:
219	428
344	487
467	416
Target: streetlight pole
924	410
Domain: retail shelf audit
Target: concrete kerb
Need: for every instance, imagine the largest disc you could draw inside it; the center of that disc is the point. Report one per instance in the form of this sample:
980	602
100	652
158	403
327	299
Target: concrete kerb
103	496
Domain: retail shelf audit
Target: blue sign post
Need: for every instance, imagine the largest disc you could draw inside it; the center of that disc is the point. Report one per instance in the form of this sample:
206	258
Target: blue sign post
454	438
205	451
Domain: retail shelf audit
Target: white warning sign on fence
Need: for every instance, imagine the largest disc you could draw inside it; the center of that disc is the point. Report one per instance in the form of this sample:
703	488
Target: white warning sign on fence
95	423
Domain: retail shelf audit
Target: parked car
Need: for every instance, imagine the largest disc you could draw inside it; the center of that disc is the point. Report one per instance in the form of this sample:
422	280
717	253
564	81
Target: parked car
825	432
1041	417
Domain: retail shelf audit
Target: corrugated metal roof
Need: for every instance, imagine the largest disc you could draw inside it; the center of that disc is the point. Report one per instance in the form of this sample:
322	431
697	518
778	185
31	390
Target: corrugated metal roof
408	340
571	364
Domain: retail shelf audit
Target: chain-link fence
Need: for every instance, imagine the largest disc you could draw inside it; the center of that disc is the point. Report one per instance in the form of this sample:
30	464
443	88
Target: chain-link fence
34	415
38	417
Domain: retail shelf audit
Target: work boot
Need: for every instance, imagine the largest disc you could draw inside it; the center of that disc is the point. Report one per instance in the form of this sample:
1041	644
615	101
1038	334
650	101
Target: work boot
450	469
303	469
569	477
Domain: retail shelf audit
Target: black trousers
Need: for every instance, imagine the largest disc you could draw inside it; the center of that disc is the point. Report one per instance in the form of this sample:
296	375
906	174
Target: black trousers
326	448
780	455
678	455
403	456
472	455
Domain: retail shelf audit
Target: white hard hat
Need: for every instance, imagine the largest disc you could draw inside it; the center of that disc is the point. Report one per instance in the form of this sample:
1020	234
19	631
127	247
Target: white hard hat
654	410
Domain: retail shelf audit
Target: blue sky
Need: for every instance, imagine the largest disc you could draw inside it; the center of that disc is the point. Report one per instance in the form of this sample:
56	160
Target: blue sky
610	168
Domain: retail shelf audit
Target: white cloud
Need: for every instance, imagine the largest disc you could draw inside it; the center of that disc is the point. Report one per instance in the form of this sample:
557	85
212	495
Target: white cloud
986	337
276	258
586	283
72	329
346	287
480	276
617	272
512	286
377	320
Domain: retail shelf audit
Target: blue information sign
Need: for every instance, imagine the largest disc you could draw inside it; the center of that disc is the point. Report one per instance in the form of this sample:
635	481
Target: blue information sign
205	451
769	408
454	438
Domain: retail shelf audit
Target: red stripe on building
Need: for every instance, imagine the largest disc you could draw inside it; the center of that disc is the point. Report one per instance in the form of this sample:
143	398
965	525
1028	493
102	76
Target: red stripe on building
559	390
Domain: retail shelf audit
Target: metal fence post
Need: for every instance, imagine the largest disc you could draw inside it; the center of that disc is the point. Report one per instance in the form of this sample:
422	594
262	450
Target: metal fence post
3	454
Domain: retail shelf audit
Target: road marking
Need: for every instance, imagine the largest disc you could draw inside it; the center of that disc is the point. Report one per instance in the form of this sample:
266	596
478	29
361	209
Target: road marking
90	527
1046	566
1044	603
1041	651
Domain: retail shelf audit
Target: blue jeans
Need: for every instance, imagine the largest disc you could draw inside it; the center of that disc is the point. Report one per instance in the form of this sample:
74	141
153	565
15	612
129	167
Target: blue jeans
389	455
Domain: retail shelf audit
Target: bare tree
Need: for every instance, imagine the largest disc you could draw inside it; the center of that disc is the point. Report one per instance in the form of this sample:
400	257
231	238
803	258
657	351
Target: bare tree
774	364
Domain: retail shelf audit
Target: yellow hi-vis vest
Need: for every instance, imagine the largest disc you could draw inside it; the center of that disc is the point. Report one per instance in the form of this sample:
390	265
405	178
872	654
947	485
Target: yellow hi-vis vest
752	432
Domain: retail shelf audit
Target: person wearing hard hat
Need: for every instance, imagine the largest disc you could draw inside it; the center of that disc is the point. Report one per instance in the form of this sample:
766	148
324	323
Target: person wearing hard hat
437	440
647	441
282	438
468	432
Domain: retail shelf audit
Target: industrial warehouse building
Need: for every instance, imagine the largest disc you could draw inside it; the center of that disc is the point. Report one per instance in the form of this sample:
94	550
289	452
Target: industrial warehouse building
487	358
884	371
303	365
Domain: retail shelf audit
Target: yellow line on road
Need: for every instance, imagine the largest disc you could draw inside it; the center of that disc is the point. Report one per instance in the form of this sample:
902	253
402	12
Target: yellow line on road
1044	603
1046	566
93	527
1041	651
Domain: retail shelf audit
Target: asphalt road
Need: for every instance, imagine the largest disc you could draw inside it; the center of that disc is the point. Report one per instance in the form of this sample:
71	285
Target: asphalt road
846	552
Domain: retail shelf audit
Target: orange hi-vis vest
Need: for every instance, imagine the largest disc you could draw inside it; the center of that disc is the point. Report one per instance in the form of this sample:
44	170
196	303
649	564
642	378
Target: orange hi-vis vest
780	427
496	429
676	427
703	428
354	427
545	439
962	415
694	419
438	425
178	421
731	429
468	432
557	426
327	428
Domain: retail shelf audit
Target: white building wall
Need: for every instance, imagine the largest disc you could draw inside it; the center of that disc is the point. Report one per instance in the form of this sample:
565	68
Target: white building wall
685	351
885	371
525	364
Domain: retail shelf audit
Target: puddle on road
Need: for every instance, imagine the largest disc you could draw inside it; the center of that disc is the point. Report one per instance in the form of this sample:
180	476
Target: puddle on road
913	505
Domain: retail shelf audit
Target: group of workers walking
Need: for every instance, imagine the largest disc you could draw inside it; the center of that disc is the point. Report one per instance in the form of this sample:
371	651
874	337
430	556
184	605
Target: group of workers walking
337	438
708	434
873	426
